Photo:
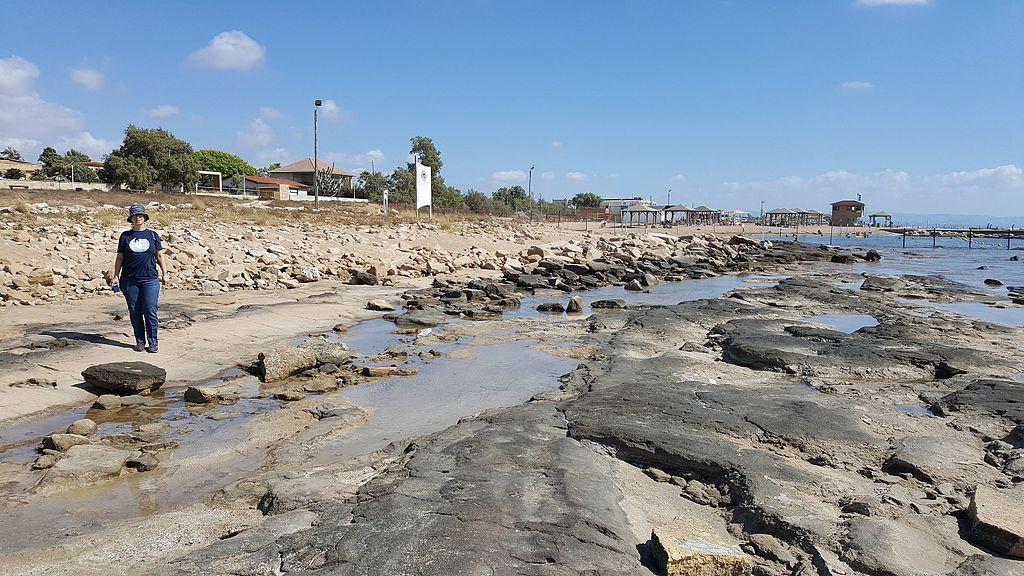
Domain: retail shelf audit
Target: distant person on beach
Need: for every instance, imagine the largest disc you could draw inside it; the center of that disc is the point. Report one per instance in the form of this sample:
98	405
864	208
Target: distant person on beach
139	253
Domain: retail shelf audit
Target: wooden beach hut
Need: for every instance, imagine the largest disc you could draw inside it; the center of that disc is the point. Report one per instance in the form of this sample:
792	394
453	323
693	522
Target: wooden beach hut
782	217
705	215
679	213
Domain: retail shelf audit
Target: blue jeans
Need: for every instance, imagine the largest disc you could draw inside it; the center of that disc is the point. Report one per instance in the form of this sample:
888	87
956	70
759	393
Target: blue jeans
142	296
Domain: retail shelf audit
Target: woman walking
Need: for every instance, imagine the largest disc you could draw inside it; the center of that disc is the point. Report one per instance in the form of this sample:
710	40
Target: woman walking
139	253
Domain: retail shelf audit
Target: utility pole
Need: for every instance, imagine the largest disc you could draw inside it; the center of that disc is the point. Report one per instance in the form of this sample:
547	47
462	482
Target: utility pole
316	167
529	183
72	175
762	213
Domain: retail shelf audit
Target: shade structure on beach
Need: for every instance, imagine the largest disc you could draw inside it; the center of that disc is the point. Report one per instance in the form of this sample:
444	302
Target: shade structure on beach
880	215
641	214
705	214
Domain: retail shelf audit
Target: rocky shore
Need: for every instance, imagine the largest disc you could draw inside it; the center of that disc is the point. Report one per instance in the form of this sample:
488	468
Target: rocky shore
754	433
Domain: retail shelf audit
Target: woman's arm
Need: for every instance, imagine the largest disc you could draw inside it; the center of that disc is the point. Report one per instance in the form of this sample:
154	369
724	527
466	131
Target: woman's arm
117	268
162	265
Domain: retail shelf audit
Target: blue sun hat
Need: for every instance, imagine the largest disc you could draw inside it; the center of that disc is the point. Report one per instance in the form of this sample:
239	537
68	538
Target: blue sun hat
135	210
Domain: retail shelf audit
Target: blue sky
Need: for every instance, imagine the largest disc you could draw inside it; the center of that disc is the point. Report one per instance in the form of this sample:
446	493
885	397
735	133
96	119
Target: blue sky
915	104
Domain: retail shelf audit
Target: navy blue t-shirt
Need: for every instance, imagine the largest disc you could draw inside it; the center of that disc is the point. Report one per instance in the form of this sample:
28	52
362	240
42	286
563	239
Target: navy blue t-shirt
139	249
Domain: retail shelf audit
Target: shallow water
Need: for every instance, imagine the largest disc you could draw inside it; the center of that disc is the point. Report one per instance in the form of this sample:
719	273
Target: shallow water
1010	315
847	323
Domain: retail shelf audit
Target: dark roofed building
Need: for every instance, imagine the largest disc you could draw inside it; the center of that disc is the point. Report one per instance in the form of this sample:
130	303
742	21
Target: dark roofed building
847	212
302	172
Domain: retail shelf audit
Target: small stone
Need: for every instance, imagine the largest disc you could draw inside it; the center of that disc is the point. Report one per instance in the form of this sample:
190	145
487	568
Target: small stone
144	462
771	547
283	361
328	368
289	395
992	282
107	402
63	442
43	462
657	474
634	286
83	427
614	303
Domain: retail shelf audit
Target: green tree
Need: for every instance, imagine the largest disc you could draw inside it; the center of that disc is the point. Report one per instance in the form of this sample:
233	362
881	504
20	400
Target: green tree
586	200
13	174
224	162
266	171
373	184
9	153
329	185
476	201
132	171
402	186
151	155
443	195
514	197
424	149
51	161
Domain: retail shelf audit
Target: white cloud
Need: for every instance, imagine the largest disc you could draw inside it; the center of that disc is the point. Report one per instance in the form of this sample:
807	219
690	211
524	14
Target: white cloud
856	85
231	50
270	113
997	191
87	78
509	176
268	157
258	134
576	176
555	144
355	162
24	115
163	111
678	179
87	143
547	176
892	2
332	112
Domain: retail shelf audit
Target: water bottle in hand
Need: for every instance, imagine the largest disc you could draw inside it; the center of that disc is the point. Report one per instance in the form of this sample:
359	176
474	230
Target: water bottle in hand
116	287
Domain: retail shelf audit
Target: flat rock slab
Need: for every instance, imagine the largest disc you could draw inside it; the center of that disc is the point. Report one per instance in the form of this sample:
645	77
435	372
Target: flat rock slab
993	396
125	377
884	546
998	520
938	460
88	463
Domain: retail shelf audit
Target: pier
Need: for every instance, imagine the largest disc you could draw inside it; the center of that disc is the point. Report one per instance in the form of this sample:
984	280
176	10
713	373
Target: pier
968	234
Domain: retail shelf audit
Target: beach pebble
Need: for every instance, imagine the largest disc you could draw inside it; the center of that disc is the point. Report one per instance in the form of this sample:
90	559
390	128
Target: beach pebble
83	427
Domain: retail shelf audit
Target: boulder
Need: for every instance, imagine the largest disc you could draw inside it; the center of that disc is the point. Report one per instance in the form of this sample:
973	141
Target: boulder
842	259
634	285
681	551
125	377
551	307
384	371
327	352
613	303
363	278
380	305
83	427
575	305
281	362
200	395
992	282
885	546
997	518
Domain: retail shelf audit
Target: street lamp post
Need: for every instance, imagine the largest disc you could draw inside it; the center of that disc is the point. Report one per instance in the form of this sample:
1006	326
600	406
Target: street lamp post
316	167
529	183
762	213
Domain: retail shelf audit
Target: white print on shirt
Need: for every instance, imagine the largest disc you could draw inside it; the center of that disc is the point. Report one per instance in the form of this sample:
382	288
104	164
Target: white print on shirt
138	245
